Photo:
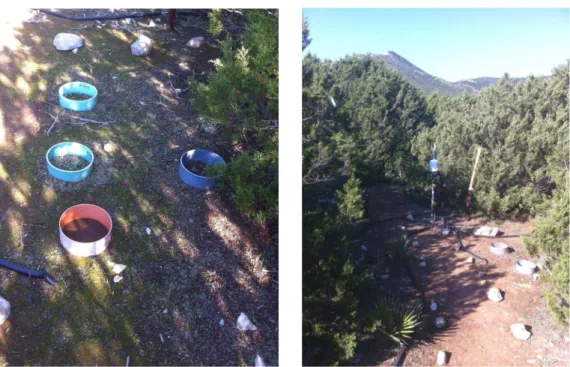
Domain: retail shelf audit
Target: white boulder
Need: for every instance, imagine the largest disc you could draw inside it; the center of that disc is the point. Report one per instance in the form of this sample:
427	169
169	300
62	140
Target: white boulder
494	294
142	46
195	42
67	41
4	310
520	332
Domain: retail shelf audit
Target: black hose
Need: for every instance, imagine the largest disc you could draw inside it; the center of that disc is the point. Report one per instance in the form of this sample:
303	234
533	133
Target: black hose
462	248
114	16
42	274
398	360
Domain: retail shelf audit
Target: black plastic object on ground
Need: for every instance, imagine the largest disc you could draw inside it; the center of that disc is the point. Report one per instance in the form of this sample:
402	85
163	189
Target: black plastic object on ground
42	274
114	16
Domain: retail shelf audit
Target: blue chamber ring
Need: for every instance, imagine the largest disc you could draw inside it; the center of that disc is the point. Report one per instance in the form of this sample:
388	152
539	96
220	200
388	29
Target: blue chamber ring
69	148
192	179
77	87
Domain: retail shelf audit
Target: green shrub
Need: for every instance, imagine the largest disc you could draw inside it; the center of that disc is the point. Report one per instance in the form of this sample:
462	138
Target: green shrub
241	97
215	26
350	201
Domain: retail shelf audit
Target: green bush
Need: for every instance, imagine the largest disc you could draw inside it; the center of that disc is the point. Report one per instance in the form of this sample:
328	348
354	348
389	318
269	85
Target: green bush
241	97
551	238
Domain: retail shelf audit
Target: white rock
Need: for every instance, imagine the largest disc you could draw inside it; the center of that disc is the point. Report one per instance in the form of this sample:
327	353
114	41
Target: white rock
259	361
445	231
439	322
118	268
110	263
148	231
539	356
117	278
385	276
410	217
480	274
433	306
157	20
363	248
108	147
127	21
520	332
470	260
530	361
195	42
244	324
142	46
416	243
165	310
151	23
441	358
535	277
222	322
75	50
423	264
494	294
67	41
4	310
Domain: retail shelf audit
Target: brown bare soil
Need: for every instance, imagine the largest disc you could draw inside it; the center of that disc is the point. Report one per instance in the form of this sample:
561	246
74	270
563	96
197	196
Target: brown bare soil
478	331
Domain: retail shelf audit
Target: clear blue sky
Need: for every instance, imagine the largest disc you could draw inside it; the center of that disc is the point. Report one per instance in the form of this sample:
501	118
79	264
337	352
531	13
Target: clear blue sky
452	44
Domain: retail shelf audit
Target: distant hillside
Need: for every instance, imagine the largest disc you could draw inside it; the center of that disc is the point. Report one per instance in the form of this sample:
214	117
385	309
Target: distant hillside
429	83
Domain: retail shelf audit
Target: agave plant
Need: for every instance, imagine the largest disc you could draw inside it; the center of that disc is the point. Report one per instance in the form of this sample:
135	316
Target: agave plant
397	248
396	319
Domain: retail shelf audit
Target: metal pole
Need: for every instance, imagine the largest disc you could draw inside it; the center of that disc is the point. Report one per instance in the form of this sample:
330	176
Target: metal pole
433	176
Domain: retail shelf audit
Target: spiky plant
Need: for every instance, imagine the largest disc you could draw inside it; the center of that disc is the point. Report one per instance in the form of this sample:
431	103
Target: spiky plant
395	319
397	248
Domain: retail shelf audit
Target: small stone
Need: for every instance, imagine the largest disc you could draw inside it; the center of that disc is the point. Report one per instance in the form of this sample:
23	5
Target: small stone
108	147
118	268
433	306
165	310
385	276
410	217
4	310
482	282
422	264
494	294
445	231
539	356
416	243
67	41
520	332
244	324
470	260
480	274
222	322
195	42
75	50
441	358
117	278
440	322
363	248
127	21
151	23
142	46
148	231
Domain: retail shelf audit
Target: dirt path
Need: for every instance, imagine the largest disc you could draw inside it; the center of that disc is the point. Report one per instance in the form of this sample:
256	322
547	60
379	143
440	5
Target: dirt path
478	332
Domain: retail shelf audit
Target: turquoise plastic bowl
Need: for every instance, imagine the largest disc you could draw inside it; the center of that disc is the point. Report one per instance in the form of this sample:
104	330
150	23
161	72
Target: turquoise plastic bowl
77	87
66	148
192	179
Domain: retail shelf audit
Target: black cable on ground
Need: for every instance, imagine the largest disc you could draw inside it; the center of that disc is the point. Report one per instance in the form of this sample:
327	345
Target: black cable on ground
462	248
114	16
41	274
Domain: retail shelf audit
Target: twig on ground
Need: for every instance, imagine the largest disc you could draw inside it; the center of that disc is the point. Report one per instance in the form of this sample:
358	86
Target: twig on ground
86	121
5	215
55	121
178	91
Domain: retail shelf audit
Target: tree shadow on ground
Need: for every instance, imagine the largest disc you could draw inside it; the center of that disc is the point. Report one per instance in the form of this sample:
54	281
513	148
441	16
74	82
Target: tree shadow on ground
457	286
203	261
